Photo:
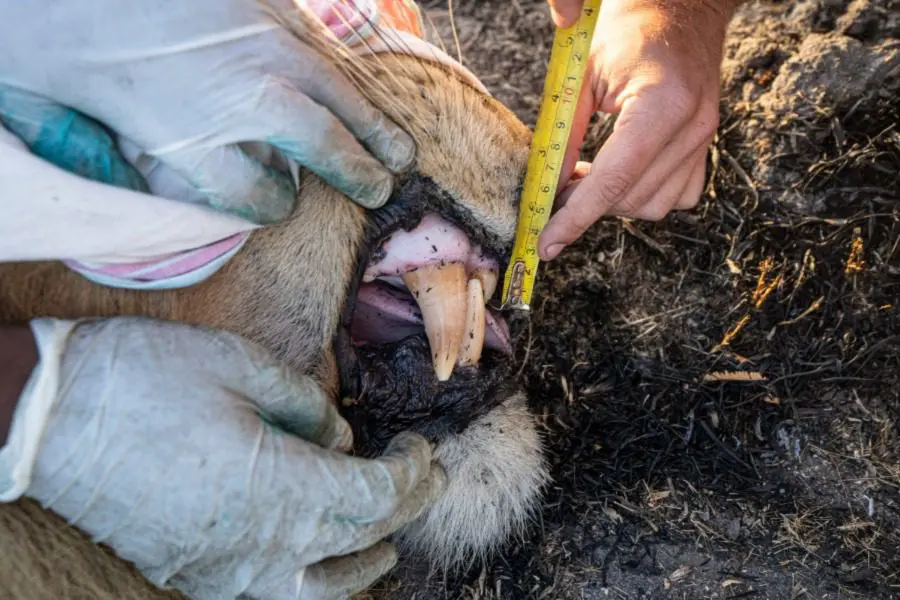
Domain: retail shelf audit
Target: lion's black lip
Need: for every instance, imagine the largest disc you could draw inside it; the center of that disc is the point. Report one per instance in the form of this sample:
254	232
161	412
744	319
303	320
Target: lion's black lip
419	195
401	394
415	197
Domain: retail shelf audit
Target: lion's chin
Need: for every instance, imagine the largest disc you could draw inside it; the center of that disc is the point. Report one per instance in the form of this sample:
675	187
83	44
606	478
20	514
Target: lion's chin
485	438
496	471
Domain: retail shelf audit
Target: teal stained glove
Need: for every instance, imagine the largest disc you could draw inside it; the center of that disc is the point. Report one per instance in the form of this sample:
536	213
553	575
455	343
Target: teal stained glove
66	138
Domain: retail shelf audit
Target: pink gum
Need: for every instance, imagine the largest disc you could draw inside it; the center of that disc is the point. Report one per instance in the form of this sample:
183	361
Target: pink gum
434	241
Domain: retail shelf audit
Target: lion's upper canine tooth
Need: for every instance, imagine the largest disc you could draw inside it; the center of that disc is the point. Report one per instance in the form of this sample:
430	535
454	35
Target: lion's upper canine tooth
440	291
488	279
473	337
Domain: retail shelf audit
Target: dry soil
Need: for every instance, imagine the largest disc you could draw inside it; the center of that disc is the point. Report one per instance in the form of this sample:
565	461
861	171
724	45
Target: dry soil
669	483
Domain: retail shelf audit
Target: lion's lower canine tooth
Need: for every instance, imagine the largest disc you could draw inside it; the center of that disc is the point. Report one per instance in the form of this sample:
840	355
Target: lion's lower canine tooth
488	280
473	337
440	291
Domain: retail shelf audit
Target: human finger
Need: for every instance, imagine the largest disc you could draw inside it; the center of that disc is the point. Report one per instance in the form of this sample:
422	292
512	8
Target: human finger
350	537
331	89
235	183
311	135
681	190
344	576
640	135
365	491
679	156
695	186
276	114
565	12
297	404
662	186
413	506
660	204
160	177
579	172
66	138
269	386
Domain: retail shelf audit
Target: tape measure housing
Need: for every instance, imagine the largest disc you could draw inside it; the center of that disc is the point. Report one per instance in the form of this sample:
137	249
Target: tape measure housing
562	88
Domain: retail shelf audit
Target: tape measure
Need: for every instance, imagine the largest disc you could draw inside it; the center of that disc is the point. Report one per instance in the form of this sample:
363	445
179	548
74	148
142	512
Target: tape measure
562	87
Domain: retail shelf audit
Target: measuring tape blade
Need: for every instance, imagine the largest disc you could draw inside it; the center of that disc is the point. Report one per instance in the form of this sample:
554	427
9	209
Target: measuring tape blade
562	88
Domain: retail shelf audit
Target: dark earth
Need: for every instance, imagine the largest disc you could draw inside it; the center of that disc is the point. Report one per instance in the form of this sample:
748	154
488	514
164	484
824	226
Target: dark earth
669	479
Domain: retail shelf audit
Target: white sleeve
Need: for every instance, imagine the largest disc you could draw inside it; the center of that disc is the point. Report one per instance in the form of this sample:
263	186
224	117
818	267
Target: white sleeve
51	214
26	431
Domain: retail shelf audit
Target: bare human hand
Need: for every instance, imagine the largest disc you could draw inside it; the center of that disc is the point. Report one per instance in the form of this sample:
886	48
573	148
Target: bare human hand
656	64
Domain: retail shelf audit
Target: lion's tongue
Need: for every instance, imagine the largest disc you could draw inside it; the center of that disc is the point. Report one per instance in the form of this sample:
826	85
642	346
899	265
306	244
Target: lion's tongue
446	285
386	314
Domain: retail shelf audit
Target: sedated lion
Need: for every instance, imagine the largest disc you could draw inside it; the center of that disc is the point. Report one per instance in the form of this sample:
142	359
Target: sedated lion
386	309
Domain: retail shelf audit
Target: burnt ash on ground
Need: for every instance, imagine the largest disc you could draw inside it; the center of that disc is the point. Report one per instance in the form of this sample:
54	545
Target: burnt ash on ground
667	485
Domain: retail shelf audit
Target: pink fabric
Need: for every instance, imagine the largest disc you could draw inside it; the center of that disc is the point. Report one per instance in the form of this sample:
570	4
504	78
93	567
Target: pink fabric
344	17
165	266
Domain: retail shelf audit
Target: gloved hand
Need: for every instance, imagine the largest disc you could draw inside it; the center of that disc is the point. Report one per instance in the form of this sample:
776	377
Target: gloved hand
655	63
206	462
192	85
50	213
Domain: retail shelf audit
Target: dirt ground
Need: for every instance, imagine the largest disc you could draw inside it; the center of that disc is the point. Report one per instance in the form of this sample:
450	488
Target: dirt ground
667	485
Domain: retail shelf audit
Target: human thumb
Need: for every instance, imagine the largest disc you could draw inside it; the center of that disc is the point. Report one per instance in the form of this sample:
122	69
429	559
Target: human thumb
584	109
565	12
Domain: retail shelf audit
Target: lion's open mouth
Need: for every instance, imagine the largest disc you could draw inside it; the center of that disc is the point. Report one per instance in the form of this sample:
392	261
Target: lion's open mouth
431	279
417	347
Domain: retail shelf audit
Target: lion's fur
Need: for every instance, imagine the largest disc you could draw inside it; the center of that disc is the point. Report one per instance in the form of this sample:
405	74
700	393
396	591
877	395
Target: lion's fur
285	289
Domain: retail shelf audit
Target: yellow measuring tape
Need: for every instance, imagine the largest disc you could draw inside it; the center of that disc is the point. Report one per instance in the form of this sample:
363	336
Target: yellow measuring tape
562	87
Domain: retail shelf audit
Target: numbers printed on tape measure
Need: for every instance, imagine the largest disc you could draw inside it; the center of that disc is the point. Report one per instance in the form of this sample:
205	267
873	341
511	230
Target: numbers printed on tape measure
562	88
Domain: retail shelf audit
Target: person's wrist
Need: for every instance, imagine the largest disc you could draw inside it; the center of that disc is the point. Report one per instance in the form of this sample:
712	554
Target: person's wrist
715	7
686	29
707	16
683	11
18	357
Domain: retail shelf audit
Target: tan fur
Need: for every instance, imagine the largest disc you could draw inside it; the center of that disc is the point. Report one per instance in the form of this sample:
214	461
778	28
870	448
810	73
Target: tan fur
493	467
285	289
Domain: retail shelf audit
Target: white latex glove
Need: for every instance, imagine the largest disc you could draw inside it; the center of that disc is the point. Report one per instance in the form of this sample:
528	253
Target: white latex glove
51	214
198	457
186	83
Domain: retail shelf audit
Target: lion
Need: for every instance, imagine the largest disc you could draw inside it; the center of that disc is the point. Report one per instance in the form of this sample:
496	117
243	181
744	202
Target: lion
327	291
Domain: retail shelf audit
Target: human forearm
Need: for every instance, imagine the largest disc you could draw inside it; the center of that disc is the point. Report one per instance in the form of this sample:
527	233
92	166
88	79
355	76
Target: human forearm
713	6
18	356
720	7
724	6
700	14
565	12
